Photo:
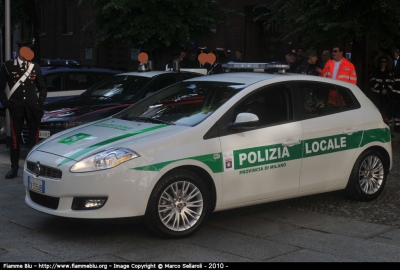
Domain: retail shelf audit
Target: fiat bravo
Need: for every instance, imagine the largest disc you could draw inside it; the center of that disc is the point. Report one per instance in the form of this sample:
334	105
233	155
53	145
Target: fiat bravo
213	143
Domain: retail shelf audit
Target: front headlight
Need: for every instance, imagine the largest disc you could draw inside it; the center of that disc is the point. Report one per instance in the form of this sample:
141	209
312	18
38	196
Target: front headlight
104	160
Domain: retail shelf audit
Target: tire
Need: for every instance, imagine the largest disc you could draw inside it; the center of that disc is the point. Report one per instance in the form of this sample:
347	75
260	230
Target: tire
368	177
178	205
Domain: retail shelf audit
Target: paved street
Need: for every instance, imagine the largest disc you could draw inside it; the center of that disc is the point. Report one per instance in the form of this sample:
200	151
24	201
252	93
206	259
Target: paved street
321	228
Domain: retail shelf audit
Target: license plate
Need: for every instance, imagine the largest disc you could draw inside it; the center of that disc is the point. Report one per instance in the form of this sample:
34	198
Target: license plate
36	185
44	134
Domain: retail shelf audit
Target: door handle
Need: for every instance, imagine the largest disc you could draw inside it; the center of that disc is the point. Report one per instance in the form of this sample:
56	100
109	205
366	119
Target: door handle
291	142
350	131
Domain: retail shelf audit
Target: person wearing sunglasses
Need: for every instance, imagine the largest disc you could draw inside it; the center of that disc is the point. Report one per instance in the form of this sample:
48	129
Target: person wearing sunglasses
381	82
339	68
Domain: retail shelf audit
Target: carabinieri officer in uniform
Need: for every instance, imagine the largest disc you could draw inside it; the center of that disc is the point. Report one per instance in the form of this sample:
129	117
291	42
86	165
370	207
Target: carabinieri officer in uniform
24	103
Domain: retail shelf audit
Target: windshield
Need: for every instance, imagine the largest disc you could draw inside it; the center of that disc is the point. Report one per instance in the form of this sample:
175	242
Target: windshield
117	87
185	103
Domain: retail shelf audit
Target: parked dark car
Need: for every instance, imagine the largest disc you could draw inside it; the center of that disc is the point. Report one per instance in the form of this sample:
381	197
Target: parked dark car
65	79
104	99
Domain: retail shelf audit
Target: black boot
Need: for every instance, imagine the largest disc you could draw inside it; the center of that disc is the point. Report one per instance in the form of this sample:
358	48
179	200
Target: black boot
12	173
14	157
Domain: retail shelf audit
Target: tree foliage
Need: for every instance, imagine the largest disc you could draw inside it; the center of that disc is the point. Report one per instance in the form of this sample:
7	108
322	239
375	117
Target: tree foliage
17	11
24	14
156	24
340	20
369	25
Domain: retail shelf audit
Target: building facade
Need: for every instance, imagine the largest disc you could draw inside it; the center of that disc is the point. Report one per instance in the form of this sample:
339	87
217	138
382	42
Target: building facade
67	34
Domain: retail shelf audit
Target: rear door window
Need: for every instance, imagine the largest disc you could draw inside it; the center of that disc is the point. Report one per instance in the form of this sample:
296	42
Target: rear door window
54	82
160	83
80	80
323	99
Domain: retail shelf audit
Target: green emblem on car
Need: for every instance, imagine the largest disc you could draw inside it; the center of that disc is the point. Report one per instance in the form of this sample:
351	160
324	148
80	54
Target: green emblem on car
74	138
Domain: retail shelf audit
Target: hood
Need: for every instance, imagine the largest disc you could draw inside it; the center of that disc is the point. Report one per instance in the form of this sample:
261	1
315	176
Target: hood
83	141
82	109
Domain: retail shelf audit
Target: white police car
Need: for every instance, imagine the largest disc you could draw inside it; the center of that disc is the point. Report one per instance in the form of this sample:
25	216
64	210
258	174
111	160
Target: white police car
213	143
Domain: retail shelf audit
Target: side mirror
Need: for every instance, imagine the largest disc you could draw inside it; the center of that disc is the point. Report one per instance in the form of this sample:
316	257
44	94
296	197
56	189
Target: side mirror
245	121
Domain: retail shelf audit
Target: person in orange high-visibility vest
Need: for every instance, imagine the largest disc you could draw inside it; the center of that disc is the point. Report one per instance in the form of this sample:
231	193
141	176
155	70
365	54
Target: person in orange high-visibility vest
339	68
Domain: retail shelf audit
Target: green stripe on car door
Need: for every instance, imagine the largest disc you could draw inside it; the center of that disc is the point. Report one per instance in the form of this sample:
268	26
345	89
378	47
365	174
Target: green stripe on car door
213	161
257	156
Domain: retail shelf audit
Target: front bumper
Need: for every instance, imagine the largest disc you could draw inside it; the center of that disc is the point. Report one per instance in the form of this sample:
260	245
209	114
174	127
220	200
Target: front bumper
127	190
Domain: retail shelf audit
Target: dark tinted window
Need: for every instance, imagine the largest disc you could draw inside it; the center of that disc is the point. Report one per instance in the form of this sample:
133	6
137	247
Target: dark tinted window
80	80
117	87
54	82
185	76
322	99
185	103
272	105
160	82
347	99
104	75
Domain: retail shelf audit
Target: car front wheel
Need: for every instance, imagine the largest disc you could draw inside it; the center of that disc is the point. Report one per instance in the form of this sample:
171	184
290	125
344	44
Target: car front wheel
368	176
178	205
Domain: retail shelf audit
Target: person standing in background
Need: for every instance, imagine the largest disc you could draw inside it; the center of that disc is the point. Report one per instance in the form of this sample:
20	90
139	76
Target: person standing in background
23	77
395	97
381	82
396	62
301	57
291	59
238	56
325	57
339	68
309	66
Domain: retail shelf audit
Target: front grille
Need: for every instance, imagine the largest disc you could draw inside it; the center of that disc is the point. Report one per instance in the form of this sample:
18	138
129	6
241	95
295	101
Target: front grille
45	171
43	200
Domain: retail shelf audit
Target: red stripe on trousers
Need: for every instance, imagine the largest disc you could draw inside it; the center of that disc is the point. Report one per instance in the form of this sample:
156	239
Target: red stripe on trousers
14	138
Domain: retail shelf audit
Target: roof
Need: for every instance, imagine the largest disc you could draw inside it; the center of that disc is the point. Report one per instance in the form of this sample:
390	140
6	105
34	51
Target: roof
49	69
238	77
152	73
254	77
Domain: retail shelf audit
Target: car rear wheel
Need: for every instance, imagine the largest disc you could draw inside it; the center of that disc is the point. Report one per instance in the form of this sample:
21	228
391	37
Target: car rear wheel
368	176
178	205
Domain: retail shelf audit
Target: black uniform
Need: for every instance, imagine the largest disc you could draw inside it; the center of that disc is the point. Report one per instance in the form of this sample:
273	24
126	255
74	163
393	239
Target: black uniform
24	103
380	80
308	69
395	101
396	67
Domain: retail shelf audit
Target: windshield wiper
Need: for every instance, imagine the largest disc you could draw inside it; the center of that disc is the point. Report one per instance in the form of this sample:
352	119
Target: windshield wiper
147	119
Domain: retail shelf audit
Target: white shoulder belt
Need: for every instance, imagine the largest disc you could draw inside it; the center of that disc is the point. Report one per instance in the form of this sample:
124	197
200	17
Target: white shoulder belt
21	80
